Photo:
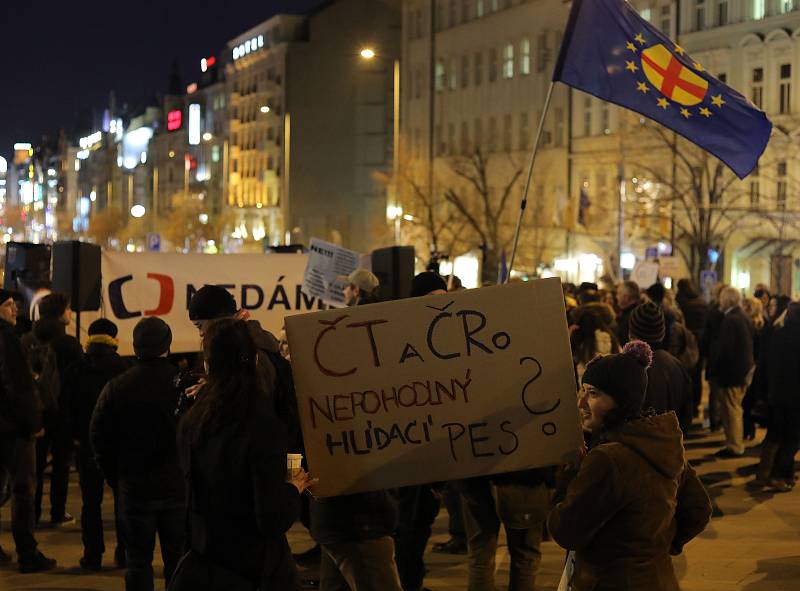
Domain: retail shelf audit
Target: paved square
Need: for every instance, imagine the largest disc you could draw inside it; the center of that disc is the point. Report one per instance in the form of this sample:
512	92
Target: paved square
753	545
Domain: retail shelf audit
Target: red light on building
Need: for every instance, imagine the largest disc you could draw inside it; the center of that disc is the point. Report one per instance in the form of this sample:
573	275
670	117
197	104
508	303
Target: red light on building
174	120
211	61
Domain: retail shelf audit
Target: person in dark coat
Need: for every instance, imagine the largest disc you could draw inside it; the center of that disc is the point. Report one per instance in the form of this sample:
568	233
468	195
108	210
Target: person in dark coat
49	333
85	380
233	454
212	302
784	401
633	500
732	365
355	531
708	345
20	424
132	432
628	297
668	384
694	310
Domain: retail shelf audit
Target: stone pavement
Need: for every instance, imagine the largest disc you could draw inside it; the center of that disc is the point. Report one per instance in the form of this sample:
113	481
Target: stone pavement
752	544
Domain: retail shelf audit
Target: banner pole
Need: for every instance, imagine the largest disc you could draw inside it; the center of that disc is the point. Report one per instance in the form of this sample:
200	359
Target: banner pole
524	202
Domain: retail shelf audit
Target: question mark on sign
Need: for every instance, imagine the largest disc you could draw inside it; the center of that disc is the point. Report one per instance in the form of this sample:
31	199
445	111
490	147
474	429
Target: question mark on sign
535	410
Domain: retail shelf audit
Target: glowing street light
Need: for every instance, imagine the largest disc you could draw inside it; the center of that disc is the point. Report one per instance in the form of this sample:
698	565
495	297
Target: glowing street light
264	109
367	53
138	210
207	136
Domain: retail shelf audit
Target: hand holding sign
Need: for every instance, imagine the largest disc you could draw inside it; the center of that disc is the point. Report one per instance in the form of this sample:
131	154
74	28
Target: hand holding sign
435	388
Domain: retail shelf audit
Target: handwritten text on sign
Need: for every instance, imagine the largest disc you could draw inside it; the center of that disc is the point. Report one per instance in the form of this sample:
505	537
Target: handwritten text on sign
435	388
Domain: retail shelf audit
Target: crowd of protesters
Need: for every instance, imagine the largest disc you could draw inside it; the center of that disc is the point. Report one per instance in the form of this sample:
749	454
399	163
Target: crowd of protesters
195	454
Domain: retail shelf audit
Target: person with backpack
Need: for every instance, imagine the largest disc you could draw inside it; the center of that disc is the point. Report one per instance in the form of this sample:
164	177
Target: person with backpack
20	425
85	380
51	351
133	434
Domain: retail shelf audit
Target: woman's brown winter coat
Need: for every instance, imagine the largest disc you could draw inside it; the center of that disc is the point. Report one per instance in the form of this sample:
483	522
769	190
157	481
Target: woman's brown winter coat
634	502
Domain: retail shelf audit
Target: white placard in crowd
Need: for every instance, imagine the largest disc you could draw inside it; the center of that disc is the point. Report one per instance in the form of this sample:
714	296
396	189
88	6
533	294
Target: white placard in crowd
326	262
645	273
136	285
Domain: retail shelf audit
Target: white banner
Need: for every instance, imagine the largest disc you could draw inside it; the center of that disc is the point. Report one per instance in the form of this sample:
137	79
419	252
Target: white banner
137	285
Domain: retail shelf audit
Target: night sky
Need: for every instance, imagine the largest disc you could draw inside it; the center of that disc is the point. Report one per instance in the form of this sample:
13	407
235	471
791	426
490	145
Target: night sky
59	58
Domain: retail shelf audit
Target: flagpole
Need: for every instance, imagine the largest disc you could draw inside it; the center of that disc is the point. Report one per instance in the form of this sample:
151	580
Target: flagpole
524	202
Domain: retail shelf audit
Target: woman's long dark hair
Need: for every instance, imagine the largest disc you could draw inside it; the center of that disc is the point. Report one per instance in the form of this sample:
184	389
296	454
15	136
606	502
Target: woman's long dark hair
233	379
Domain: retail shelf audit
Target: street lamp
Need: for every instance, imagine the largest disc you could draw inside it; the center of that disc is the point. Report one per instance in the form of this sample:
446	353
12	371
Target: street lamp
367	53
138	210
264	109
207	136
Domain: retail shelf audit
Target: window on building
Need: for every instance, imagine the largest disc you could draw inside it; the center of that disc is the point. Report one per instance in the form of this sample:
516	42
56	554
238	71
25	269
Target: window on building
464	71
542	52
785	105
418	81
645	13
755	193
453	13
757	87
464	138
495	5
781	189
507	131
479	8
559	127
452	77
439	16
440	76
214	153
418	24
525	56
665	23
587	116
508	61
785	6
493	65
604	120
478	68
492	134
439	135
722	13
759	9
478	134
466	10
699	15
451	138
524	132
722	77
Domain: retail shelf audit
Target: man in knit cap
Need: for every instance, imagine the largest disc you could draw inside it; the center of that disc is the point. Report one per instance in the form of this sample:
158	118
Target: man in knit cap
669	386
86	379
132	432
20	426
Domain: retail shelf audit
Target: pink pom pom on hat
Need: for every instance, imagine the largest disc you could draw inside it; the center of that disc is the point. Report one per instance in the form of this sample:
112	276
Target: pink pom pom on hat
640	351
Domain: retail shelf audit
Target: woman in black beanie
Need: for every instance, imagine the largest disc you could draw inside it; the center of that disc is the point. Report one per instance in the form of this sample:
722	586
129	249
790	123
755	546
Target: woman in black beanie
634	500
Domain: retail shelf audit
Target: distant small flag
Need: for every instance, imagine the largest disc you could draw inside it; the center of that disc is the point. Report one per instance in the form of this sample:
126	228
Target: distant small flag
614	54
583	206
502	269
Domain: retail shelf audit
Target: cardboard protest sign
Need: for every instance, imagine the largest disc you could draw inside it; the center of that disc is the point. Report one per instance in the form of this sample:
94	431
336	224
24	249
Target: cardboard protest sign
435	388
326	262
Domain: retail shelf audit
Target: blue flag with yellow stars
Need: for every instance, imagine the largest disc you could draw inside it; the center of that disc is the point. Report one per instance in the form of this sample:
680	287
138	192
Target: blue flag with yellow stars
614	54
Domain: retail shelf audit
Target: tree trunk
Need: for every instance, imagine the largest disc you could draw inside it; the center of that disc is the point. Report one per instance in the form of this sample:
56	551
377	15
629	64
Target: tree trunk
490	264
